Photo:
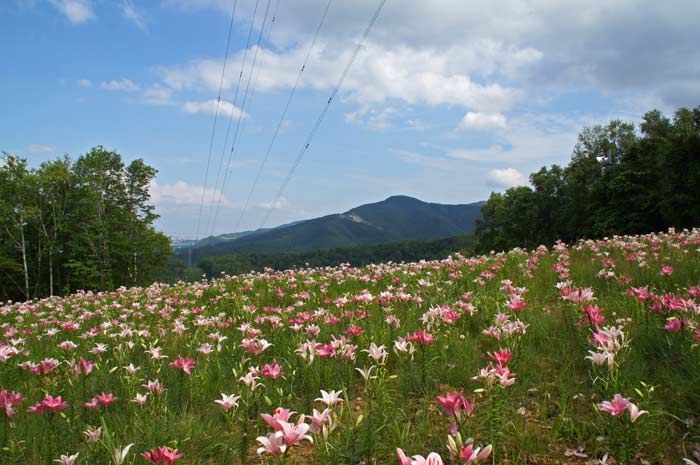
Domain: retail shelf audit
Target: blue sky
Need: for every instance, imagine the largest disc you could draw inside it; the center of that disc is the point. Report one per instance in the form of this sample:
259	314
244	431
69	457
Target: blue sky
447	101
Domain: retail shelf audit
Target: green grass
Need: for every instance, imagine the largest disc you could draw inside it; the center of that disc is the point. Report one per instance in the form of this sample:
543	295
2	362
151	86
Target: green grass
552	407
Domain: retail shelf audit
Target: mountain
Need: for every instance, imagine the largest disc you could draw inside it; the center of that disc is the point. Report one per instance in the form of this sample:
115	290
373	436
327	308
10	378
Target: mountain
398	218
225	238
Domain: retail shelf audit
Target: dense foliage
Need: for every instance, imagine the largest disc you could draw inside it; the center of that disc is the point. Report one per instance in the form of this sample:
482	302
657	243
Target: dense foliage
619	181
403	251
83	224
584	354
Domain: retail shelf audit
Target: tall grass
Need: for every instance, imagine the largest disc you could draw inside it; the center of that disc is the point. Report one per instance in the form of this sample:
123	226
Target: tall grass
551	413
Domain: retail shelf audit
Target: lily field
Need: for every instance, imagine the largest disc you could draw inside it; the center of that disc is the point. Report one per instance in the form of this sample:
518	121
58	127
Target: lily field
584	353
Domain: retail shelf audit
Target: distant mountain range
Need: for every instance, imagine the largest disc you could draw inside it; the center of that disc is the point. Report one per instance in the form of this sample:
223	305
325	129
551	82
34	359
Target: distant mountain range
398	218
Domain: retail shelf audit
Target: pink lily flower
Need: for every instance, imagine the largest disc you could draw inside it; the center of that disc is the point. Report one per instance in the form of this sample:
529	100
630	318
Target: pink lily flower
470	454
154	386
330	398
228	402
318	420
294	433
401	457
185	364
453	403
271	370
94	404
161	455
674	325
635	412
280	415
8	400
516	304
666	270
84	366
92	435
432	459
106	399
140	399
49	403
502	357
67	459
421	337
272	444
616	407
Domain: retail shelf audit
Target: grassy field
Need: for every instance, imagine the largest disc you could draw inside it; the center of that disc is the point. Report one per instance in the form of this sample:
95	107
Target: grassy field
584	353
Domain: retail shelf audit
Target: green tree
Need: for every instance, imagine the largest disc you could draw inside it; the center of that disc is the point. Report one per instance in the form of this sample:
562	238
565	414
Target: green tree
55	184
15	213
84	225
617	182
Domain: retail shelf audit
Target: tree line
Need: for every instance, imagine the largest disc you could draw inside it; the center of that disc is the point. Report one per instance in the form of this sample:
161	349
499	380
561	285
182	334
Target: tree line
620	180
77	224
402	251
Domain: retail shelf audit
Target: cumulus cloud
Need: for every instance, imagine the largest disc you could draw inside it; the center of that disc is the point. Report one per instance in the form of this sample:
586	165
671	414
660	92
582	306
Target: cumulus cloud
544	45
474	121
379	74
130	12
506	177
123	84
414	158
372	118
209	107
282	202
528	138
76	11
157	95
183	193
40	148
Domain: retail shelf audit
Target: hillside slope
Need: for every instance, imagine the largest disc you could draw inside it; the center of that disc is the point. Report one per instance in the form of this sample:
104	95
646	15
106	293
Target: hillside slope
398	218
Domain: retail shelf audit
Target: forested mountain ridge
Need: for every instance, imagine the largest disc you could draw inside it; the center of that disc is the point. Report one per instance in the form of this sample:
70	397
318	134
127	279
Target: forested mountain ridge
359	255
397	218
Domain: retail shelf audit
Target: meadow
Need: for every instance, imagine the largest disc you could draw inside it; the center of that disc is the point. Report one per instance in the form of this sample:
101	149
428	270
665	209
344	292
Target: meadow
580	354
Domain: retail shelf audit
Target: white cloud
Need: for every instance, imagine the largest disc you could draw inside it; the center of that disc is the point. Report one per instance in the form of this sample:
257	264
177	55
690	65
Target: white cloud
157	95
528	138
209	107
414	158
378	118
77	11
282	202
183	193
84	83
372	118
123	84
379	74
39	148
543	45
417	125
474	121
507	177
131	13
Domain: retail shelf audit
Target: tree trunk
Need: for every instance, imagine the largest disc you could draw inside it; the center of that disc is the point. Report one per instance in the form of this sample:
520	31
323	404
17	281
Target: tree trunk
24	256
50	271
37	273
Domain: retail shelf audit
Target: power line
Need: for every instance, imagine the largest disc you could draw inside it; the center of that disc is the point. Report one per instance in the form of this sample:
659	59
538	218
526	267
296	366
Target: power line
257	71
216	116
230	121
284	113
319	120
240	117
